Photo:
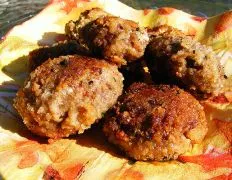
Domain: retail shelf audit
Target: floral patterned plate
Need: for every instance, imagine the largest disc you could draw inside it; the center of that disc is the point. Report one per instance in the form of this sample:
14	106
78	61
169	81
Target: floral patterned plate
89	156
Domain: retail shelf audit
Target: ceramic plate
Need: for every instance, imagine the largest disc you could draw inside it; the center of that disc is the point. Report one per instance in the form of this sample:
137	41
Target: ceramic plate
89	156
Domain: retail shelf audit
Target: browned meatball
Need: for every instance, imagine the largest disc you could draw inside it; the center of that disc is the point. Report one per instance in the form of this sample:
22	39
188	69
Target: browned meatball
75	29
113	38
155	122
38	56
67	95
173	55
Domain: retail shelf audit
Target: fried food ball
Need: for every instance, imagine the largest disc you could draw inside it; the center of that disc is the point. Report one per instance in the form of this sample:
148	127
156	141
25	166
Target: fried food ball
155	122
173	55
112	38
66	95
75	29
38	56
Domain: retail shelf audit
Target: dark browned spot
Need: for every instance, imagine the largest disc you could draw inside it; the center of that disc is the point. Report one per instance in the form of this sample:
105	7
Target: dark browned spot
152	102
191	63
64	63
82	110
64	115
120	27
176	47
90	82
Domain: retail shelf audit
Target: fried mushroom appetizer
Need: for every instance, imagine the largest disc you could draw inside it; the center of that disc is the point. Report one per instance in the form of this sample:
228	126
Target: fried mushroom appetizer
66	95
174	56
155	122
112	38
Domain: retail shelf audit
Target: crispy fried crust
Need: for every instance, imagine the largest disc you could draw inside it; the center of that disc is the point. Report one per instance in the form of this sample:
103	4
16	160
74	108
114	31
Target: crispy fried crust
75	29
177	57
155	122
38	56
66	95
113	38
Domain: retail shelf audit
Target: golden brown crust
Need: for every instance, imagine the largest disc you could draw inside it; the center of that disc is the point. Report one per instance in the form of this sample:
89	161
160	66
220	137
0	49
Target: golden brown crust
173	55
113	38
75	29
38	56
155	122
66	95
117	39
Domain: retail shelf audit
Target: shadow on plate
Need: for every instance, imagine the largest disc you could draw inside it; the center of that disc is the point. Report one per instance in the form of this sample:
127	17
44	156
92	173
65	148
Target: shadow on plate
49	38
17	70
95	138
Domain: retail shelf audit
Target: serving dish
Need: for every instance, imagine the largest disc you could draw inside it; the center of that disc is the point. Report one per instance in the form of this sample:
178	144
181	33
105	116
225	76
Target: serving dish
88	156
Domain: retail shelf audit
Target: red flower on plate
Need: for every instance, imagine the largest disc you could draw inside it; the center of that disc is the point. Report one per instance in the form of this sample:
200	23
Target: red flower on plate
68	5
210	161
130	174
226	128
165	10
198	19
146	11
28	152
225	22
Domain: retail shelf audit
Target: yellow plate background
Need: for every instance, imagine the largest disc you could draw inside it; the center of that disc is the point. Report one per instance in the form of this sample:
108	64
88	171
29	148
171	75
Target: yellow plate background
88	156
